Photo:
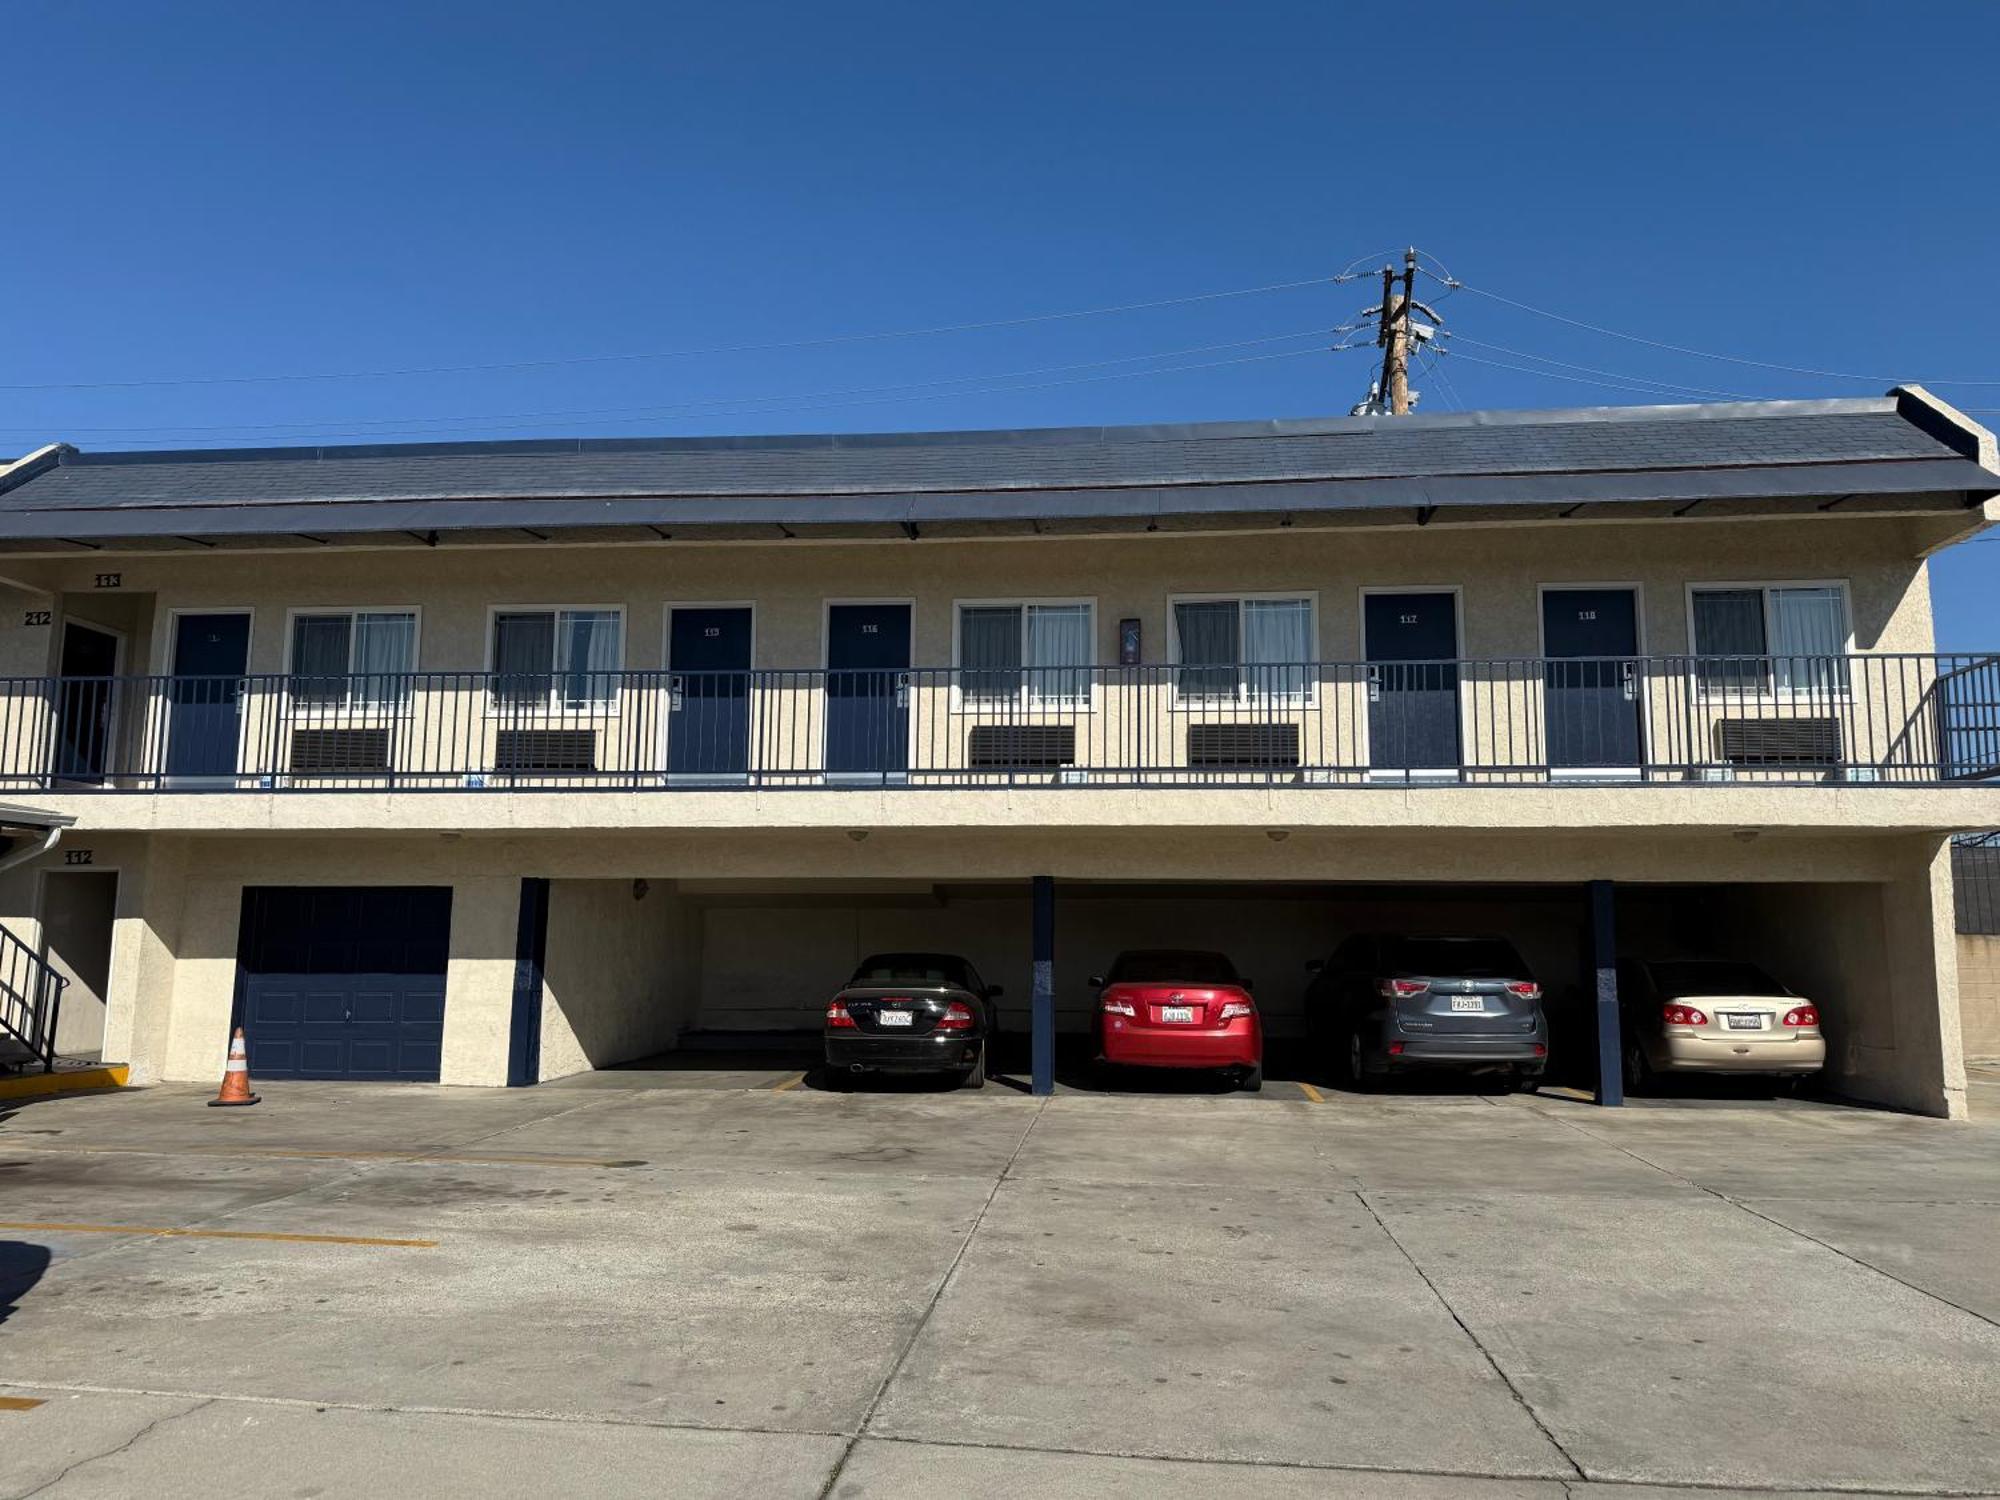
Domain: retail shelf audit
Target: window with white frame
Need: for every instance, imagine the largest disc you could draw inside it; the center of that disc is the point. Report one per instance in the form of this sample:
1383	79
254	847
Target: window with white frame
1256	648
1758	637
560	658
353	658
1040	652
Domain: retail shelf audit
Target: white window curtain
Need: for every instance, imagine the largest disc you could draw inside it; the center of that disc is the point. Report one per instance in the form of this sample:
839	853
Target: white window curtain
384	655
1277	645
347	659
1059	652
1809	639
588	640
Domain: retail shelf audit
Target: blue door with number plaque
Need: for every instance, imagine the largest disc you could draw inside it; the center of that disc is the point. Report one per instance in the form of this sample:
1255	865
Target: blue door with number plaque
1591	680
344	981
1412	642
867	689
205	698
708	692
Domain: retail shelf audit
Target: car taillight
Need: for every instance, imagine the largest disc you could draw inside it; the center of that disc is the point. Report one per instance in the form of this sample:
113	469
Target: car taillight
1683	1015
1524	989
837	1016
1120	1008
1231	1009
957	1017
1802	1015
1402	989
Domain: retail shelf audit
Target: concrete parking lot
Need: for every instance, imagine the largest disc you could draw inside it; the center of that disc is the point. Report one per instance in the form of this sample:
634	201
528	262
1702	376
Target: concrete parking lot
777	1291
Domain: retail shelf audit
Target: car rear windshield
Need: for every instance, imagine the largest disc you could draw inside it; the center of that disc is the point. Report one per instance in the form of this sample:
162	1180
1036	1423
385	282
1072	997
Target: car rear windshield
1457	958
1713	978
1171	966
911	968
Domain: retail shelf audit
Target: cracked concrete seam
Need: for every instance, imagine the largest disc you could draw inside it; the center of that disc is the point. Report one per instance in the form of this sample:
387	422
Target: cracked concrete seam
125	1447
930	1307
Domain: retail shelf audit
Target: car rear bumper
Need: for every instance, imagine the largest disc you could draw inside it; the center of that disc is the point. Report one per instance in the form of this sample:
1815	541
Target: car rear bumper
1154	1047
904	1054
1462	1050
1770	1054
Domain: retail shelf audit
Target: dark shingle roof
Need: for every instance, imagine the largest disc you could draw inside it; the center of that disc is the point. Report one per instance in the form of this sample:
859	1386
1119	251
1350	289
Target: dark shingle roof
1485	458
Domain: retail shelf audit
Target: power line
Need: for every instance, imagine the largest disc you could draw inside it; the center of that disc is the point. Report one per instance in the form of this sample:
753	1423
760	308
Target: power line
1615	385
756	348
876	401
662	408
1665	385
1761	364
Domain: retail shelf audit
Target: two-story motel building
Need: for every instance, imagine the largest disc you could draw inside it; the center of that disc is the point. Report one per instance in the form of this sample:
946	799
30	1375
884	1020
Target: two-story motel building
493	762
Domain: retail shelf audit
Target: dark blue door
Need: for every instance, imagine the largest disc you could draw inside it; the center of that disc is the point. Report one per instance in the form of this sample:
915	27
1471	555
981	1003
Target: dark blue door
205	701
1592	678
343	981
1412	681
868	688
708	711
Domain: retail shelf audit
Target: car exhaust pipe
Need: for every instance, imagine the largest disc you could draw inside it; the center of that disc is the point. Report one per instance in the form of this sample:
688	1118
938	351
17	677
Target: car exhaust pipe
856	1068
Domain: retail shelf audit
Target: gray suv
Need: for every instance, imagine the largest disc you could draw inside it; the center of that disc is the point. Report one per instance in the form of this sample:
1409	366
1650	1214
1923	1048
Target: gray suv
1387	1002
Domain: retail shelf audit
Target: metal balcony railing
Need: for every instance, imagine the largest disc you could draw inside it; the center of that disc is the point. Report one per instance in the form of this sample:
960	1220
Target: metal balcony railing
1857	719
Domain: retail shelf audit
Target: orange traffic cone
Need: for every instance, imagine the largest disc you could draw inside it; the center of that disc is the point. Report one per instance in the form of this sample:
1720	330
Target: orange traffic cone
235	1076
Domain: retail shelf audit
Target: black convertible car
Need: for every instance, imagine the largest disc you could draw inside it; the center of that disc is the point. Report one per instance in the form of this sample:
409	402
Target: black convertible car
912	1013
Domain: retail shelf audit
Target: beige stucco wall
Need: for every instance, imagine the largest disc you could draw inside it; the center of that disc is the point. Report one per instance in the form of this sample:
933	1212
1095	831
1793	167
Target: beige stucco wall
1881	961
1498	569
617	980
1979	993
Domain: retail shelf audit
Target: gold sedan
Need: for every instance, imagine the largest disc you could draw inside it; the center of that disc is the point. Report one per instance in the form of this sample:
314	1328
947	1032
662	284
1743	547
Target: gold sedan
1707	1015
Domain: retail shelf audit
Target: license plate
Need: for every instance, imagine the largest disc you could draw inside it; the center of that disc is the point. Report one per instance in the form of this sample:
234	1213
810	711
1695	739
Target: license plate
1743	1022
894	1017
1467	1002
1182	1013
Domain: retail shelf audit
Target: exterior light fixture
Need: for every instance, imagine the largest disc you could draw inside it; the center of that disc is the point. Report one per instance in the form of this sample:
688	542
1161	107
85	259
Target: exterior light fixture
859	835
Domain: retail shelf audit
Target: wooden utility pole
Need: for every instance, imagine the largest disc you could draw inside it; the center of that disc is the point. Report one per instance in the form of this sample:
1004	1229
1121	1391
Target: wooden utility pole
1393	334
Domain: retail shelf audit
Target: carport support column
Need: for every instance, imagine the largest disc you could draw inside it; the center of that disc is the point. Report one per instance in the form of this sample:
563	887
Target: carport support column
531	952
1604	955
1042	1009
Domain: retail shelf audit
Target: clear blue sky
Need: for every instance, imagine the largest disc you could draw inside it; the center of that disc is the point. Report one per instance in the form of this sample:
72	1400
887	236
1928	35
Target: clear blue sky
205	190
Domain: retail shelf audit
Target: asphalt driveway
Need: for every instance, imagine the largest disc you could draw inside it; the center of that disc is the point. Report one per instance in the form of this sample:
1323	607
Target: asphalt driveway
774	1291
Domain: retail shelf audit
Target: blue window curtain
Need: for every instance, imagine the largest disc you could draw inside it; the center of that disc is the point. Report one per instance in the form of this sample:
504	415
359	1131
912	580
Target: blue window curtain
320	645
989	653
524	648
1729	638
1211	650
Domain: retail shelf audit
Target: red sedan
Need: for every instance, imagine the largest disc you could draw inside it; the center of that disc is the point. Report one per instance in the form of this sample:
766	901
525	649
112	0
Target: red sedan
1172	1008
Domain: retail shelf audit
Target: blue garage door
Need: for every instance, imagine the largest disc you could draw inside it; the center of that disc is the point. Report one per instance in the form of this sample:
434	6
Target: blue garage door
343	981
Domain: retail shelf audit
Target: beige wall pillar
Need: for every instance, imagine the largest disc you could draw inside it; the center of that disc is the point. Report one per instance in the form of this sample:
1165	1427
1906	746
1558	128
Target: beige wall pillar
619	979
1979	993
479	983
1880	960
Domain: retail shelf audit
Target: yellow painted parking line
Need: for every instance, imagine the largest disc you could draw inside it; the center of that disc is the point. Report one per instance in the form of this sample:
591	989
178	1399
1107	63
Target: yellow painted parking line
19	1403
285	1153
1310	1092
790	1083
218	1234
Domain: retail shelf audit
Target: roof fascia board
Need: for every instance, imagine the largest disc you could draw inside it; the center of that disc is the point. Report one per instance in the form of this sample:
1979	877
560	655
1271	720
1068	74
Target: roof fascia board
1955	477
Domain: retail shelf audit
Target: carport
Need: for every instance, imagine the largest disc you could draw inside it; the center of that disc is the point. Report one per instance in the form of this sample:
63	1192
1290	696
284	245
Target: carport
640	967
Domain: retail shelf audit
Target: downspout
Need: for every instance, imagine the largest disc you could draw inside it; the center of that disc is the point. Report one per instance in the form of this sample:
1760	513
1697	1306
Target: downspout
22	856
